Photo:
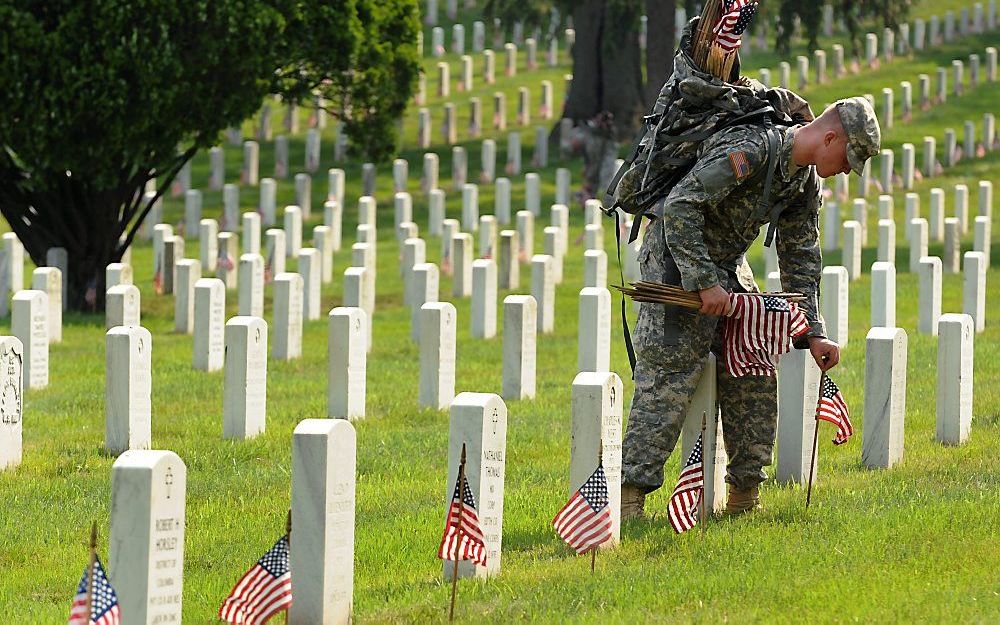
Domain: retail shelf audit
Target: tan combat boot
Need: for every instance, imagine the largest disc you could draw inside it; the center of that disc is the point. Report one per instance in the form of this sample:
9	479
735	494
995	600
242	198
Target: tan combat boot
742	501
633	500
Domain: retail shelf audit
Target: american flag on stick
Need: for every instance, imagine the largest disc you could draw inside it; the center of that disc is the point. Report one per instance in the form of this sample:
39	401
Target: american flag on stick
832	407
585	521
263	591
463	538
684	506
99	597
758	330
735	19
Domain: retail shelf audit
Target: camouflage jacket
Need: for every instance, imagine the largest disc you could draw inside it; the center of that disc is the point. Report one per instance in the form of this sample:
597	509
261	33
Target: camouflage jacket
710	218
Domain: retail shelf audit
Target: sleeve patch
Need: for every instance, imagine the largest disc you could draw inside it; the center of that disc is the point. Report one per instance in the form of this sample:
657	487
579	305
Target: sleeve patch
741	166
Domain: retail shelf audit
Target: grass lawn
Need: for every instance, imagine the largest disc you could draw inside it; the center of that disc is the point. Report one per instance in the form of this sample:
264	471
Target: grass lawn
918	542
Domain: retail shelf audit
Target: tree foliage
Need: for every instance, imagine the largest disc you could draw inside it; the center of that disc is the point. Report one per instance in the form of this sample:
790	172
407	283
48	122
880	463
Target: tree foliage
99	96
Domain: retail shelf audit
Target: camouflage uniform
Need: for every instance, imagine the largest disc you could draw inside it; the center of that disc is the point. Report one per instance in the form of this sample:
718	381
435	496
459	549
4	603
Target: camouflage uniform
709	220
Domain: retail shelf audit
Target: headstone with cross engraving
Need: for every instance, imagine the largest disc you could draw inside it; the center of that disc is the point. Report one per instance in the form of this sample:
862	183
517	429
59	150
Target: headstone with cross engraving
597	434
11	408
324	462
479	421
146	560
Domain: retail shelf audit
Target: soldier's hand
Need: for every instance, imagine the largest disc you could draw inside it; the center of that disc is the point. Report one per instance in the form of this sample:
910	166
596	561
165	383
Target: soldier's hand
714	301
825	352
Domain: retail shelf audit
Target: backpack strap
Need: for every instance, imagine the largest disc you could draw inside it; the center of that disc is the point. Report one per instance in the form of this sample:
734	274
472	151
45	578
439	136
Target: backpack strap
765	200
629	347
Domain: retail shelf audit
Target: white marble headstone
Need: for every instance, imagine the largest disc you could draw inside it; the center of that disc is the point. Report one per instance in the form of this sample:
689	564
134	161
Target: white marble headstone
324	465
244	397
122	306
479	420
128	389
30	323
956	334
438	321
146	560
209	324
597	432
11	405
885	397
347	360
287	328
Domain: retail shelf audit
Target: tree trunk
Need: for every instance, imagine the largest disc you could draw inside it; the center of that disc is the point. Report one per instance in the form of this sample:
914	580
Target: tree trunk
607	71
660	45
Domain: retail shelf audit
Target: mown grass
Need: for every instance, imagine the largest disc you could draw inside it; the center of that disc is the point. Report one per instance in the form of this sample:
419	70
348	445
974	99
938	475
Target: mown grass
918	542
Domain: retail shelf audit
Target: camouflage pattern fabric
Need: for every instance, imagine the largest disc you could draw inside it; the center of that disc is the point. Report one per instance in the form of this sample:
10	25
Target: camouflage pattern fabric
709	219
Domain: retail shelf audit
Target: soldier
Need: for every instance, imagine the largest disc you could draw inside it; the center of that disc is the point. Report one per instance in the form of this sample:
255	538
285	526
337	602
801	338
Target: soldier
710	218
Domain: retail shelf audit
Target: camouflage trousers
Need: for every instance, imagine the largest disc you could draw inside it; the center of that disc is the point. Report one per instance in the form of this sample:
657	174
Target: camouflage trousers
670	362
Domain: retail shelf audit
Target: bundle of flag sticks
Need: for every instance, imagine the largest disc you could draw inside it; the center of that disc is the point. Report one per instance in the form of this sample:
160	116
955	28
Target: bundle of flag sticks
718	35
656	293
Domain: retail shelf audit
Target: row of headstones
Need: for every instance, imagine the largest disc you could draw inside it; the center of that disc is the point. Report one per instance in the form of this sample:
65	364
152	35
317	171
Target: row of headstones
545	109
819	73
449	129
148	502
888	178
936	218
884	397
510	48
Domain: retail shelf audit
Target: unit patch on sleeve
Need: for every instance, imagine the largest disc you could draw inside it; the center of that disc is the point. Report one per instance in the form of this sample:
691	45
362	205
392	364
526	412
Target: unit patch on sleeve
741	167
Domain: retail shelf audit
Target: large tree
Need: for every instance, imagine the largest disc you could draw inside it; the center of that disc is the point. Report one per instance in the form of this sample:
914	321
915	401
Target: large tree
101	96
607	60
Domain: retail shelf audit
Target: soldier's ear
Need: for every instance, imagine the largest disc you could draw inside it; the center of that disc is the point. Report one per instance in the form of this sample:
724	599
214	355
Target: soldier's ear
828	138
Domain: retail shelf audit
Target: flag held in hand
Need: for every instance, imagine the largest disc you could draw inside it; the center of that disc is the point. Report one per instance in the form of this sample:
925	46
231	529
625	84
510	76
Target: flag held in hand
833	408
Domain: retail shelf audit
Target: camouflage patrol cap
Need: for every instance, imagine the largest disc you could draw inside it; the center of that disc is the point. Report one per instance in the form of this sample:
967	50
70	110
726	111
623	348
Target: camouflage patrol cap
864	137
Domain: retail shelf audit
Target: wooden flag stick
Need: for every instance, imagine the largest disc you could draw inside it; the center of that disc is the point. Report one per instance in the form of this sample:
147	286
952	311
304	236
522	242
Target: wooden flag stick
812	458
90	570
288	532
701	514
458	533
593	559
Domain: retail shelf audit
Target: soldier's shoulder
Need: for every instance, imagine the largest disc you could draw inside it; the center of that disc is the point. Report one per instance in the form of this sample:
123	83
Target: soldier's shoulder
748	138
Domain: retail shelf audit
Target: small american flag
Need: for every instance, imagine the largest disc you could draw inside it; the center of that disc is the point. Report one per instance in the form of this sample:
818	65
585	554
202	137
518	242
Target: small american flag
158	282
225	262
104	608
736	18
758	330
467	539
263	591
833	408
585	521
684	503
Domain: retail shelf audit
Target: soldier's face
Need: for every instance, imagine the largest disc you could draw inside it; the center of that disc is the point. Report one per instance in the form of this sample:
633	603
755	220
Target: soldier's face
831	157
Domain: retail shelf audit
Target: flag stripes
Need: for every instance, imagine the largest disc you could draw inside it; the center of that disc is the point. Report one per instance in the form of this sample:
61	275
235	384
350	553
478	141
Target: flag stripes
585	521
263	591
758	330
683	508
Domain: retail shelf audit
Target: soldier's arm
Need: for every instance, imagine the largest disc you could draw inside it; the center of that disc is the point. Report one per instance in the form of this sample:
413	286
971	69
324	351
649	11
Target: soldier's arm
725	164
799	257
